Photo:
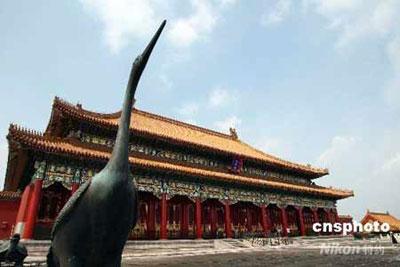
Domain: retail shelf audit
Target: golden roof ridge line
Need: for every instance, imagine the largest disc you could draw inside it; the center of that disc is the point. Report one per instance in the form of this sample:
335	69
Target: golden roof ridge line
285	163
379	213
148	114
185	124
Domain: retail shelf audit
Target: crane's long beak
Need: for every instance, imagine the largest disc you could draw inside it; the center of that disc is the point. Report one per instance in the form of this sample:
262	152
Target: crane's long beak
147	51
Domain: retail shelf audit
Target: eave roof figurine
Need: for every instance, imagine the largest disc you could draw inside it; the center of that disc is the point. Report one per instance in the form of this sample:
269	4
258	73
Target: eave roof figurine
93	226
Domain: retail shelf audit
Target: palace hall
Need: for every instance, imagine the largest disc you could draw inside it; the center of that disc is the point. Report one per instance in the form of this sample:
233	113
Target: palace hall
193	182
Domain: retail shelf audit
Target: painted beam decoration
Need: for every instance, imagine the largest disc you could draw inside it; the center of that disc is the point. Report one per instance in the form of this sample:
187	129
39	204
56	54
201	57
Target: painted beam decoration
67	175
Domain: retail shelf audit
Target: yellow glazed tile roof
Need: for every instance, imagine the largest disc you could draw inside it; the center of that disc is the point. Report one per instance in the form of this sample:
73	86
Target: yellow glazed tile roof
170	129
382	218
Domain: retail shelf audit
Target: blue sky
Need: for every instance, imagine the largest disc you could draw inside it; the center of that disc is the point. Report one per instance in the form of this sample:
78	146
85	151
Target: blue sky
310	81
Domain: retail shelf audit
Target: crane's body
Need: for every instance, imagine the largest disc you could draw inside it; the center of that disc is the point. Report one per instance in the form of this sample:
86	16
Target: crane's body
93	226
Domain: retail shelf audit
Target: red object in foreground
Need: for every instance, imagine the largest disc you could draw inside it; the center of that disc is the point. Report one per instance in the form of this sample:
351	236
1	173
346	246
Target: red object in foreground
228	226
9	202
163	226
74	187
33	209
22	210
199	232
301	221
284	222
264	219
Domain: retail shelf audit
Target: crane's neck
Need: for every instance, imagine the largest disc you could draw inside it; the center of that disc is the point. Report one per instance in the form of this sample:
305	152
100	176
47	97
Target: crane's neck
119	161
120	155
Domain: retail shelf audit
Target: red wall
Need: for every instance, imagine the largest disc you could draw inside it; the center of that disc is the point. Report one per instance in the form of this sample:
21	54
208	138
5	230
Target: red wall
8	215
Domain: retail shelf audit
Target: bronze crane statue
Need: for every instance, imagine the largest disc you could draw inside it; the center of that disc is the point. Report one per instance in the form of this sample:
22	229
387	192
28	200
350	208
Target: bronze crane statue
93	226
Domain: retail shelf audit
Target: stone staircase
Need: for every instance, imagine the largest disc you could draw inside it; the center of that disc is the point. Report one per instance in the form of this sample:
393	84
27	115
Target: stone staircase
317	240
37	249
175	248
166	248
236	243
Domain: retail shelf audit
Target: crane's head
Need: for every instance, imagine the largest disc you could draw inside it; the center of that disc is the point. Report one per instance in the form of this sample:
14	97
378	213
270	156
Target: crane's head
142	59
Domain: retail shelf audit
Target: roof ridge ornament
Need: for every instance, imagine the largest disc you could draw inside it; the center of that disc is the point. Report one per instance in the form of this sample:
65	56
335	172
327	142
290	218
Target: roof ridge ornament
233	133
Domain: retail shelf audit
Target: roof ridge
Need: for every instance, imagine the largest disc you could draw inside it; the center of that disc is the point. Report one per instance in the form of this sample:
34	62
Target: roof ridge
15	129
78	107
185	124
77	110
379	213
145	113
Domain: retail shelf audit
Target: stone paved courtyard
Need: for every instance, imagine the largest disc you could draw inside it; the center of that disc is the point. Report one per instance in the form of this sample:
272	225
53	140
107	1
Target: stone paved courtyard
284	257
300	253
304	251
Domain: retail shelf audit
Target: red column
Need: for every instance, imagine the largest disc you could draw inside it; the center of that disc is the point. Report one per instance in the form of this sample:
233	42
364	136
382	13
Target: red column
151	220
228	226
268	218
199	233
284	222
163	219
264	219
331	216
23	207
316	219
249	219
335	214
74	187
213	219
184	220
33	209
301	221
315	215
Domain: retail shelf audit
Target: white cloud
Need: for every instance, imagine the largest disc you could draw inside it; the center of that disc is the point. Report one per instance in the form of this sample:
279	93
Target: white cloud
187	112
274	146
354	20
224	3
276	13
339	149
188	109
219	97
347	169
392	90
166	82
393	53
125	21
369	167
230	122
333	6
199	24
392	164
